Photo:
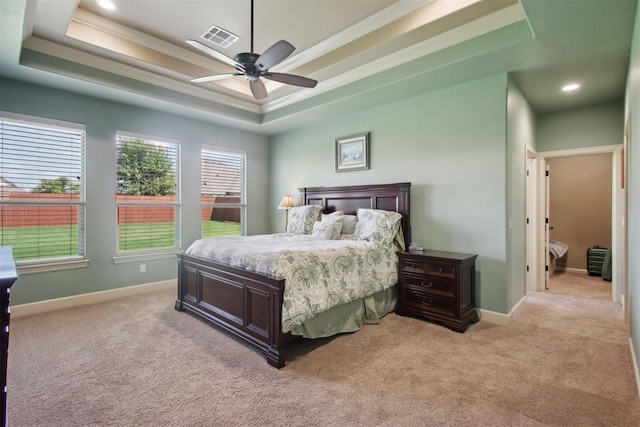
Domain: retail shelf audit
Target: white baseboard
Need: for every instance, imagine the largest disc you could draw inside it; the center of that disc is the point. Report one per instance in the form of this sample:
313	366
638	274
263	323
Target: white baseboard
494	318
635	365
501	319
91	298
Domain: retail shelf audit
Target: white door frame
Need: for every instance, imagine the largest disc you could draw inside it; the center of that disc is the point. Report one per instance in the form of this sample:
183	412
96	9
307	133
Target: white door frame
546	224
535	206
617	214
531	237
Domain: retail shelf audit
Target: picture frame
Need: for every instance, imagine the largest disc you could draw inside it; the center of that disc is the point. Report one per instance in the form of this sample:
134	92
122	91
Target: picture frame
352	152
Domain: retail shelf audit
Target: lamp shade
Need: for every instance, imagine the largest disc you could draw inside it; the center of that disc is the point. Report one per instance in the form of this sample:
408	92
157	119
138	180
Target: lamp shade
286	203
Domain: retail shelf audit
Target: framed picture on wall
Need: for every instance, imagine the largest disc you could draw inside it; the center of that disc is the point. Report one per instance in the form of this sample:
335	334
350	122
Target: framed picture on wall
352	152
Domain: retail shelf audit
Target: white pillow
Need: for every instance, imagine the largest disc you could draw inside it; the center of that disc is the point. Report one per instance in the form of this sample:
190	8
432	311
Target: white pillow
377	225
349	224
302	218
329	228
336	213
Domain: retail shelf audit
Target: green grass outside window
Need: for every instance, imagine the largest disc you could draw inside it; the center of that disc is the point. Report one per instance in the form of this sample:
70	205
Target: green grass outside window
50	242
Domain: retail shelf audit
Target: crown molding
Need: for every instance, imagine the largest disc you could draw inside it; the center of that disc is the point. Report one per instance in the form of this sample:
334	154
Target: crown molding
475	28
108	26
50	48
364	27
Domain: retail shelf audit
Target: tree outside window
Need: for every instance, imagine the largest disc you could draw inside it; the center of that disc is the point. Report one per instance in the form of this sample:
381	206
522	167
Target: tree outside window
147	194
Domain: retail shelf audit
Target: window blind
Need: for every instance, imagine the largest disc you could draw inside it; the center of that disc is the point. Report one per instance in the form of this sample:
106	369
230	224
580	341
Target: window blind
42	188
222	192
147	193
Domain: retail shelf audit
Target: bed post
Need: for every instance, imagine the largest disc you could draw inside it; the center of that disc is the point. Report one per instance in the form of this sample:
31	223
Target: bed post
178	305
276	355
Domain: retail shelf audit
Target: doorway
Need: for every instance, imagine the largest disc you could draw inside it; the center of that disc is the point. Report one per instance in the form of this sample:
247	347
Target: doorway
537	237
580	224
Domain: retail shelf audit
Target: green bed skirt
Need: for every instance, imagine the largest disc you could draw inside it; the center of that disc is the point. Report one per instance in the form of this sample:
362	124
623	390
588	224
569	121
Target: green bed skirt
351	316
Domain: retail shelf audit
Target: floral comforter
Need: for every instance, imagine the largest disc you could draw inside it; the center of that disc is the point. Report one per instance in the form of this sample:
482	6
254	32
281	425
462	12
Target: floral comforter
319	274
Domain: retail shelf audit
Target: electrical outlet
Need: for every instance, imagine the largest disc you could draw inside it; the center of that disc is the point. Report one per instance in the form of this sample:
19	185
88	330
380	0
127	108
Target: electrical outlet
143	268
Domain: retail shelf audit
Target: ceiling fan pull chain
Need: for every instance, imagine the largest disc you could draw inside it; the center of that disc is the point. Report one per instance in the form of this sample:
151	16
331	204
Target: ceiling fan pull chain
251	26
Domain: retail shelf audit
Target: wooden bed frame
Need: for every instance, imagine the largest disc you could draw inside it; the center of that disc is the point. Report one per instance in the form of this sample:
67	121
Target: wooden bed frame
249	305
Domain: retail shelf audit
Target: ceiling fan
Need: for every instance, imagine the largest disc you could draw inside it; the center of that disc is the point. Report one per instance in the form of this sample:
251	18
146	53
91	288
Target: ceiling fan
253	66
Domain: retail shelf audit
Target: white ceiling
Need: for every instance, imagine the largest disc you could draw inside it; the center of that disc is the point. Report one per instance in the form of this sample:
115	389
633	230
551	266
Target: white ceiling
360	51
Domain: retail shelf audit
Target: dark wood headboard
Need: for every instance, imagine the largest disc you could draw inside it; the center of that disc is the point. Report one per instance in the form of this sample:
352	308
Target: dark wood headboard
389	197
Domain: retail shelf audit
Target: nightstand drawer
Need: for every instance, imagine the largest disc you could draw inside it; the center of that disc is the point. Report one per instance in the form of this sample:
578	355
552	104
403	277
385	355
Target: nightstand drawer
441	269
429	285
423	302
432	268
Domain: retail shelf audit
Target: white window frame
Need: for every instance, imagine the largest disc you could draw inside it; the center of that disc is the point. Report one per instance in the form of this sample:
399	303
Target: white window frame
151	254
243	185
69	262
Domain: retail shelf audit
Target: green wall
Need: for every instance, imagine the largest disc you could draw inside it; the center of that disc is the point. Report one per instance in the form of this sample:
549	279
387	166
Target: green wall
521	126
450	144
102	119
632	114
592	126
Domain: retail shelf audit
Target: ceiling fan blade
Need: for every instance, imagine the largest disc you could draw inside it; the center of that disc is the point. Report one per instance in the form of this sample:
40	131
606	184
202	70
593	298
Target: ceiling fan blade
257	89
274	55
206	49
291	79
215	77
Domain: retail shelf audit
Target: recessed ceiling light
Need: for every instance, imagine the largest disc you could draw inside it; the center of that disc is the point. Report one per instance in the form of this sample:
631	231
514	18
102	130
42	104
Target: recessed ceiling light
570	87
107	4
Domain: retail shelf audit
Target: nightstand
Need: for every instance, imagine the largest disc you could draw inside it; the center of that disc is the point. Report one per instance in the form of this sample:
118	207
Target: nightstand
438	286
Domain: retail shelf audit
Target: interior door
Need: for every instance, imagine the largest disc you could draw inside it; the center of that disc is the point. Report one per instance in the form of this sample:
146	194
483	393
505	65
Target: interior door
530	222
547	261
528	226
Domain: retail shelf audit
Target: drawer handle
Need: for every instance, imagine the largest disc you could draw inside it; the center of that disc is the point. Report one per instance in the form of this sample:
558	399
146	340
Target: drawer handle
427	302
440	269
426	284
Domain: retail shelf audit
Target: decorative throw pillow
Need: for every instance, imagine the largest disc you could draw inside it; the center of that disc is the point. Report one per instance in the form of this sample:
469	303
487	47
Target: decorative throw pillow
349	224
329	228
377	225
336	213
302	218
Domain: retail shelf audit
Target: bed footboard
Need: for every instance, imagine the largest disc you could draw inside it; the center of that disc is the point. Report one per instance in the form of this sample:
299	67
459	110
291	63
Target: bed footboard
246	304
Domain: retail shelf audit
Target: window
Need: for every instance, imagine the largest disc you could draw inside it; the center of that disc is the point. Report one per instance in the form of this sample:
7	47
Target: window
42	190
222	192
147	194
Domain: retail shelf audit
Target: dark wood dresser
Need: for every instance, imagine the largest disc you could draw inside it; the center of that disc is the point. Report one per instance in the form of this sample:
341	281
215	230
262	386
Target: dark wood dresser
8	276
438	286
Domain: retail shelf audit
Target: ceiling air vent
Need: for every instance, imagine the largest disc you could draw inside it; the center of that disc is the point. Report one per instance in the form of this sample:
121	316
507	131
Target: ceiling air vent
220	37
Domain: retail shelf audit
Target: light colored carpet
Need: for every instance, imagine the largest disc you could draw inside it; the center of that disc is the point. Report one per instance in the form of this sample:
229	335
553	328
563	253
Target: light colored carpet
579	284
139	362
578	292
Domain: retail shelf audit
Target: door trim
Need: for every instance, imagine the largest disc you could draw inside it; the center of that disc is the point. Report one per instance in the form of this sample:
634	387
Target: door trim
617	210
531	220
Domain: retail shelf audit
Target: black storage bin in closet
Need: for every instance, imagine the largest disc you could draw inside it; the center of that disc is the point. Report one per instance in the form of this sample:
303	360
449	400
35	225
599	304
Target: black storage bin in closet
595	259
